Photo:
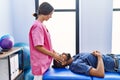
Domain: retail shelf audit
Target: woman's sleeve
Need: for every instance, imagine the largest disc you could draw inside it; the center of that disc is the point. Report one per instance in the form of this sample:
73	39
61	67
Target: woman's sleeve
38	36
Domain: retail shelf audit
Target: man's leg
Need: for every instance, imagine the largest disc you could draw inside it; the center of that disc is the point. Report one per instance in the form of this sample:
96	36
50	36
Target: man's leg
118	61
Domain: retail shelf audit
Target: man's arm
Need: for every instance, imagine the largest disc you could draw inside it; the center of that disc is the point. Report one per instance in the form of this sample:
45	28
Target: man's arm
99	71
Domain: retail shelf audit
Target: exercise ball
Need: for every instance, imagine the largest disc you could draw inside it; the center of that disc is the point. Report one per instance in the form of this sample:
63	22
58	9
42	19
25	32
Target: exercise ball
28	74
6	42
26	55
6	36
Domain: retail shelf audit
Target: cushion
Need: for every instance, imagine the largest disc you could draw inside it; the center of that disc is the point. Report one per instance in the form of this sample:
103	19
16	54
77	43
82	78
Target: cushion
63	74
109	76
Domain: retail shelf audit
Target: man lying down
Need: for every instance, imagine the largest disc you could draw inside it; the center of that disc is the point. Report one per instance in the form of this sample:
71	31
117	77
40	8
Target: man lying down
93	64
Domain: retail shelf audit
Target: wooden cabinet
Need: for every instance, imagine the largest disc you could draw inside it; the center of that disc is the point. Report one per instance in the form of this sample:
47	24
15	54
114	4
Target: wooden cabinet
9	64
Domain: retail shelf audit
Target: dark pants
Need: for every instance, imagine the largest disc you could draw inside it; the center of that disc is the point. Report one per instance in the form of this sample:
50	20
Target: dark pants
116	58
118	61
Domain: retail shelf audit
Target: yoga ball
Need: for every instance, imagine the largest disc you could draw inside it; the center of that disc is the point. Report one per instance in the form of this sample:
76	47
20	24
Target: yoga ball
6	36
28	74
6	42
26	54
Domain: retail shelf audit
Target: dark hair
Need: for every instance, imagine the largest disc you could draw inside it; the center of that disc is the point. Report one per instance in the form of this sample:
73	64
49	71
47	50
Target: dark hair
45	8
57	64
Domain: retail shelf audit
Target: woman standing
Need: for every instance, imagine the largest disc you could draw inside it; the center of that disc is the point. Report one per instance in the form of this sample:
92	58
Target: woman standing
41	51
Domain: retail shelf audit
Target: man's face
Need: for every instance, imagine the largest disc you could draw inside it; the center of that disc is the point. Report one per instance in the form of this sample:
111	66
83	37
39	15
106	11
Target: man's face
47	17
63	56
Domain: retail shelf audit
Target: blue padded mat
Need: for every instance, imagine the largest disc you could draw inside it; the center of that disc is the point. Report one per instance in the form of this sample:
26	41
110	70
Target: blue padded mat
109	76
63	74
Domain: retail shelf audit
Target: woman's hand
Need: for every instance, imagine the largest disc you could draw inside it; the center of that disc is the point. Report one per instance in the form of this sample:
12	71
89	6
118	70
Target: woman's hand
57	57
64	63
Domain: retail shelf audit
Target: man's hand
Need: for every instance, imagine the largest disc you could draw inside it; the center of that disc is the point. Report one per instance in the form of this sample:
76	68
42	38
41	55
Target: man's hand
96	53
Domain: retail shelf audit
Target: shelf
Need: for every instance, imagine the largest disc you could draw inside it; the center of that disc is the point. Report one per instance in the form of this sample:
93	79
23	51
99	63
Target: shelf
11	51
20	72
9	64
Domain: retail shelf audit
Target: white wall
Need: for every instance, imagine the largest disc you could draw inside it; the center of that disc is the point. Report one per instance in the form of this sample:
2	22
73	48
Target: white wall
5	17
96	25
96	22
22	11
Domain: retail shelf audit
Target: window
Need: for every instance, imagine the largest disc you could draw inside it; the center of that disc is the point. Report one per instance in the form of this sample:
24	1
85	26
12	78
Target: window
64	25
116	27
60	4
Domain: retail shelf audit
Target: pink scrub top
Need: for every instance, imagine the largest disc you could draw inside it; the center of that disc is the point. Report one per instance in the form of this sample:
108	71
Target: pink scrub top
39	35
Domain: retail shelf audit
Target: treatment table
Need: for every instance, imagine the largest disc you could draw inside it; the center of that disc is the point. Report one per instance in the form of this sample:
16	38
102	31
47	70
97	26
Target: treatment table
66	74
